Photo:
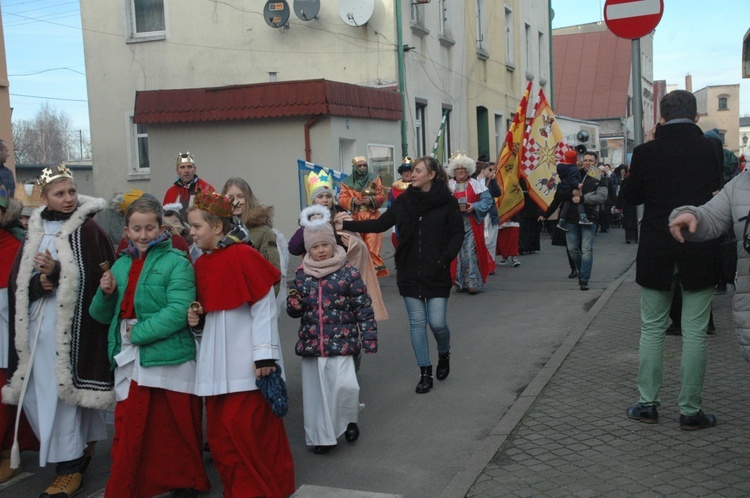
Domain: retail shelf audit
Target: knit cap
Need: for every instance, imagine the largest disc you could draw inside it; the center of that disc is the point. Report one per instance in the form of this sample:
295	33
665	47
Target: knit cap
316	221
570	157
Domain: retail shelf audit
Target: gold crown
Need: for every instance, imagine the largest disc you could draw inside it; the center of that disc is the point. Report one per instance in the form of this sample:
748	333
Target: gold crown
357	159
48	175
128	198
185	157
407	160
214	203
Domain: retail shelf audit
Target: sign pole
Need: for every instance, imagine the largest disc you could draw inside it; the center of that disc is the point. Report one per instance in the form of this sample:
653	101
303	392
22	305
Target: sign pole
637	92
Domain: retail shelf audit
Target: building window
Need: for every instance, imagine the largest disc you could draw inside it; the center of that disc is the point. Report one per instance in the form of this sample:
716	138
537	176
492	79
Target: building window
443	15
540	53
141	164
447	132
723	103
419	128
481	26
510	59
147	17
499	134
483	132
382	162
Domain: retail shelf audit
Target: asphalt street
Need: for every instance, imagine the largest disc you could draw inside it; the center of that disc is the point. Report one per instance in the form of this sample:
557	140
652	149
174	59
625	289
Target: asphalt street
434	444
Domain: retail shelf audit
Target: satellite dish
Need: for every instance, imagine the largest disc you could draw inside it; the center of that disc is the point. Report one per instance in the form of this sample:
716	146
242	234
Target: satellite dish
306	9
276	13
356	12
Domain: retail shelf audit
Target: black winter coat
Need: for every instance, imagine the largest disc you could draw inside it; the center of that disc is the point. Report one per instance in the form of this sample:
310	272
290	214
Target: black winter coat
678	168
423	268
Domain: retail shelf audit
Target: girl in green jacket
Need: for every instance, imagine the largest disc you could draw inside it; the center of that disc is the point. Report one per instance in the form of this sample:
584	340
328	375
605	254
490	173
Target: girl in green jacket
145	296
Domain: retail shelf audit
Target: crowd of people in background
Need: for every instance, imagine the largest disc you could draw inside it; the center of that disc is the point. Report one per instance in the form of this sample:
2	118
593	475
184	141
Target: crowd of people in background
124	305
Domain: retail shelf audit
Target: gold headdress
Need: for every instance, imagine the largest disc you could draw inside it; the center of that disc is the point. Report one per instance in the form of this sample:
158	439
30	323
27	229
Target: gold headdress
185	157
50	174
407	160
357	159
214	203
128	198
317	184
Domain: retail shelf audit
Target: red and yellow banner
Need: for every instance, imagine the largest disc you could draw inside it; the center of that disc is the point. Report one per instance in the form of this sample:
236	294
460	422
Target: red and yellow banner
543	147
511	201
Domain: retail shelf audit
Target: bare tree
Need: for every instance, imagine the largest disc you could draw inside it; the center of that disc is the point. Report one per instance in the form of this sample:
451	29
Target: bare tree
48	138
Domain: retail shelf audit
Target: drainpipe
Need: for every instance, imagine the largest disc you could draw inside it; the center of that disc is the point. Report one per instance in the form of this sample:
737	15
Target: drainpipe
550	15
308	150
401	77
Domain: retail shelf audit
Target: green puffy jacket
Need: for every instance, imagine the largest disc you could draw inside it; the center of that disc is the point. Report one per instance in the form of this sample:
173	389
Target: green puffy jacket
164	291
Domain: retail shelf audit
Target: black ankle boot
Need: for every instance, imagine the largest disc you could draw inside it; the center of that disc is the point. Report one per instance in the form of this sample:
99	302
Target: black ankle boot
425	380
444	366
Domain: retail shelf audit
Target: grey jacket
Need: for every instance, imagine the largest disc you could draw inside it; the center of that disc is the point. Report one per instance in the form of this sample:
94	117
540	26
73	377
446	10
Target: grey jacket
717	215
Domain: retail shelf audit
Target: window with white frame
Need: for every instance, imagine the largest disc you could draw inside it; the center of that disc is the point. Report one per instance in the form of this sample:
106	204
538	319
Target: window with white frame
147	17
527	39
417	14
419	128
382	161
443	15
499	134
481	6
447	111
140	164
510	50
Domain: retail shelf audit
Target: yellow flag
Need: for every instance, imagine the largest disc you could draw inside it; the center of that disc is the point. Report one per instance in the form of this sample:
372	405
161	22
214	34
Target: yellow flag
543	147
511	201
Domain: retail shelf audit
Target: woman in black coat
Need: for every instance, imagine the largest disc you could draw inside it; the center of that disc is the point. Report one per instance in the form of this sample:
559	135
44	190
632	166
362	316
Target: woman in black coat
430	232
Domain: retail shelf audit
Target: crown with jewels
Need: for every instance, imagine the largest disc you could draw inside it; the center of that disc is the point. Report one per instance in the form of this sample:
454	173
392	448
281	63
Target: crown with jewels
184	157
50	174
214	203
357	159
407	160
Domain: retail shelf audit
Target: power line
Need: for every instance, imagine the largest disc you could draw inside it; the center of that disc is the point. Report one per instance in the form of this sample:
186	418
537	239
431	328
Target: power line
46	71
47	98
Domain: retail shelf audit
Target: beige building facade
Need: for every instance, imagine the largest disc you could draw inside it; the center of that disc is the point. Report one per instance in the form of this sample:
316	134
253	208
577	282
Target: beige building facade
719	107
468	61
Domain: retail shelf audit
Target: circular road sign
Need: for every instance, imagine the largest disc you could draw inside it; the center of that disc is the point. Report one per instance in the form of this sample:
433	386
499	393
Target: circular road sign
632	18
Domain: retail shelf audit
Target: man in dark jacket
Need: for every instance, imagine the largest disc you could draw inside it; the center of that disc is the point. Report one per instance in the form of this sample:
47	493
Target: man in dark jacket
579	237
679	167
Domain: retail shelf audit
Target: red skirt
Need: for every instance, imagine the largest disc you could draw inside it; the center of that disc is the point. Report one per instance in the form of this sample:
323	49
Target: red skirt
507	242
158	444
26	438
249	446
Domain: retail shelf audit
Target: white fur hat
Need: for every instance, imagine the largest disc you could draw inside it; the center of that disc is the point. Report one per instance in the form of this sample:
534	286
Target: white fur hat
316	221
461	162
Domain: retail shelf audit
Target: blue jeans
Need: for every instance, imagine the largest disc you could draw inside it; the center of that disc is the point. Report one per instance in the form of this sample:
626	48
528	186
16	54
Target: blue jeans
422	311
580	242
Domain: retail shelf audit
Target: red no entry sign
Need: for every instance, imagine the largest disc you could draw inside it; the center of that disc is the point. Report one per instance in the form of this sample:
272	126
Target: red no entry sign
632	18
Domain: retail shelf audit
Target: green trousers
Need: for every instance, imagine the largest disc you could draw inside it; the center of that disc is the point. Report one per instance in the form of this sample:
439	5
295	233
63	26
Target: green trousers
696	309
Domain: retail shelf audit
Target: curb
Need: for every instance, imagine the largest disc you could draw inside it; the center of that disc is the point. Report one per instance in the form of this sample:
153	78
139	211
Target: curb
463	481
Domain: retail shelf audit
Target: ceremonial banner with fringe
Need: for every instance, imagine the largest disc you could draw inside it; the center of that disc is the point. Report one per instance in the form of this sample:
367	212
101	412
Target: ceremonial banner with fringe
511	201
303	171
543	147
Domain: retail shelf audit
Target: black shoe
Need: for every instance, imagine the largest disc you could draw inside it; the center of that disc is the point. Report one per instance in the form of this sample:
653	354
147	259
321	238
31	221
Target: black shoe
425	380
352	432
673	329
322	450
646	414
584	285
698	421
573	274
184	493
460	289
443	366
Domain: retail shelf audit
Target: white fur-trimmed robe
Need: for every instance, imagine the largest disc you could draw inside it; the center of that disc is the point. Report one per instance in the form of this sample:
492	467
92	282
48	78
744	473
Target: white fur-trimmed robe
83	371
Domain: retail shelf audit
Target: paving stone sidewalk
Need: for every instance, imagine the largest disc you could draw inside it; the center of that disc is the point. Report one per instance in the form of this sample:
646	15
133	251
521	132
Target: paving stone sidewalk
575	440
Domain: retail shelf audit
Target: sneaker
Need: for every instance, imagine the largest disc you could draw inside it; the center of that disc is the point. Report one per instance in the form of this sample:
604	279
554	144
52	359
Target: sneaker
516	263
573	273
698	421
503	262
509	261
562	225
645	414
583	220
64	486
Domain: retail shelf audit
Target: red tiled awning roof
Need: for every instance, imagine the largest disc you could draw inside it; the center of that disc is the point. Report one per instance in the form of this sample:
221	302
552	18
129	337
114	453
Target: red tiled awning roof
266	100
